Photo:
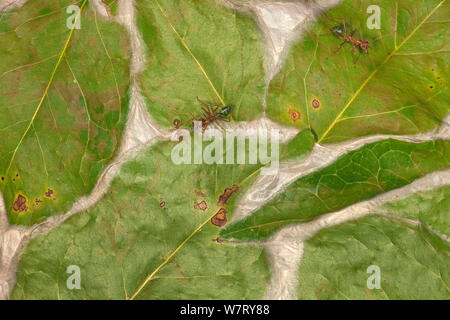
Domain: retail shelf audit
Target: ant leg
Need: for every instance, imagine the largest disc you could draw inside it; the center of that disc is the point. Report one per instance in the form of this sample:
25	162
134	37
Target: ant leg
340	46
206	116
345	27
211	111
202	102
218	124
205	111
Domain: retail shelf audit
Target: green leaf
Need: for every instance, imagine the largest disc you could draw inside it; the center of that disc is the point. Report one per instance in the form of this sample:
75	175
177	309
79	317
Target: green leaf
62	94
148	237
148	232
298	146
356	176
400	87
431	208
413	262
199	49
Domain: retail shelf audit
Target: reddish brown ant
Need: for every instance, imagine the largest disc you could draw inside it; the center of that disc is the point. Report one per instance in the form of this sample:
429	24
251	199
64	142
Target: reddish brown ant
341	31
212	113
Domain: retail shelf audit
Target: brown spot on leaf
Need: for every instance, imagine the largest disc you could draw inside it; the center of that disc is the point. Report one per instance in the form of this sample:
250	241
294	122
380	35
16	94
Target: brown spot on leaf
201	205
199	193
218	240
220	218
315	103
20	204
3	178
223	198
176	123
162	203
49	193
295	115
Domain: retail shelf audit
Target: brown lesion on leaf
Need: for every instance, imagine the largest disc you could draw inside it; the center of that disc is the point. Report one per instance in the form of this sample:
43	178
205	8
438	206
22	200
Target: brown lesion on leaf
49	193
220	218
218	240
16	177
315	103
227	193
199	193
162	204
295	115
201	205
20	204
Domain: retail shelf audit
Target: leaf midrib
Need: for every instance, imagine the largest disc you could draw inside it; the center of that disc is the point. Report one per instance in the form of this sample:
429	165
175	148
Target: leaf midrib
167	260
183	42
363	85
44	95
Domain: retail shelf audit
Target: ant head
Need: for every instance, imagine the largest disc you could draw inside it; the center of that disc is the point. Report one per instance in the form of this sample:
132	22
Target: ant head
225	111
365	46
340	29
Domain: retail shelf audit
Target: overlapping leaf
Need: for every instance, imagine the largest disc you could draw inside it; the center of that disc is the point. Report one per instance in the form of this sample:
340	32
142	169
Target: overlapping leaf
148	238
356	176
199	49
431	208
400	87
412	262
62	97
